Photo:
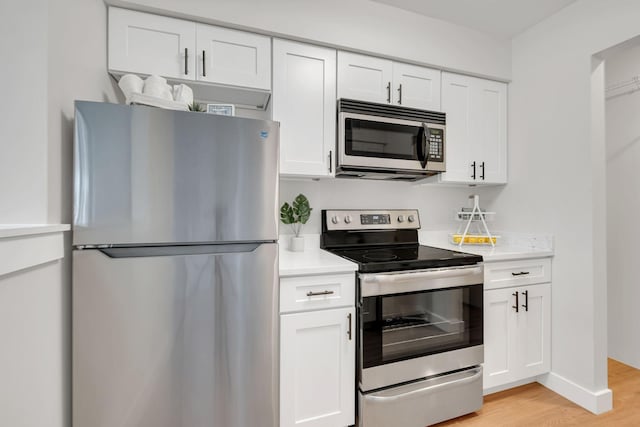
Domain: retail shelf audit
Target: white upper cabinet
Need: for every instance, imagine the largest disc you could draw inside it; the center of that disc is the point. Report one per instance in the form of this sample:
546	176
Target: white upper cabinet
416	87
149	44
220	64
233	57
304	102
476	133
372	79
364	78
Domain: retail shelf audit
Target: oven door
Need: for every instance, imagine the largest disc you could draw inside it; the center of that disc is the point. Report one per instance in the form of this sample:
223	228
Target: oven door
374	142
419	324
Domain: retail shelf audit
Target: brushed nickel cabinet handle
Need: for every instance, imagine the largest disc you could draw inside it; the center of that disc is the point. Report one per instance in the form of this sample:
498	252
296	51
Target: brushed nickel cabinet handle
389	92
400	94
315	294
204	64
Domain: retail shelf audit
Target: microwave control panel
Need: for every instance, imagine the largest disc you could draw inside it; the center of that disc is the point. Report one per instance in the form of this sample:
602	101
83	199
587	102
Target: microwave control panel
436	145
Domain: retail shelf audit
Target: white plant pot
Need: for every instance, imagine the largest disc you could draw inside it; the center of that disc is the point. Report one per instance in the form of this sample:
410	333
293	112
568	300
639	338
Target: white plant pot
296	244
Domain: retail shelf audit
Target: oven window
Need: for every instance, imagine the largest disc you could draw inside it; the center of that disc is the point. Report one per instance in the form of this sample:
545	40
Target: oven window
375	139
404	326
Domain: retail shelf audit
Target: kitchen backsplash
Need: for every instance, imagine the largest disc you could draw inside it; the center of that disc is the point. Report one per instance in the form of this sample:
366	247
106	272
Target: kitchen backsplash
437	204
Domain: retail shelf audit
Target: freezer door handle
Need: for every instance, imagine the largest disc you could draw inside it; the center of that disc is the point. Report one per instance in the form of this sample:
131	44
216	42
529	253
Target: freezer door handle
153	251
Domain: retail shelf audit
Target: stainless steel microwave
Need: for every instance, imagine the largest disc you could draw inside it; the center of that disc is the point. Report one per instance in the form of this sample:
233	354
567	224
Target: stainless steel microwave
382	141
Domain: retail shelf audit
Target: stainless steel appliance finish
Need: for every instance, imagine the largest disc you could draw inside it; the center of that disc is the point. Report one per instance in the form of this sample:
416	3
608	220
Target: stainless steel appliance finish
381	141
420	319
381	376
176	341
422	403
154	176
375	220
175	269
419	280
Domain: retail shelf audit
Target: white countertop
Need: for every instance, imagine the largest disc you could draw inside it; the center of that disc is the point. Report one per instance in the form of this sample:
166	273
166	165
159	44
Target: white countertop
15	230
510	246
312	261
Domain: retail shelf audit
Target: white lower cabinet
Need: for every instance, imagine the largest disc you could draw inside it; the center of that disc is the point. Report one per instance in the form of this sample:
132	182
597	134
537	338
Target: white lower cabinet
317	351
516	341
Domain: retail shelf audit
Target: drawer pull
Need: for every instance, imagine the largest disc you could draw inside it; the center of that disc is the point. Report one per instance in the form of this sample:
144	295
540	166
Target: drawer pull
315	294
522	273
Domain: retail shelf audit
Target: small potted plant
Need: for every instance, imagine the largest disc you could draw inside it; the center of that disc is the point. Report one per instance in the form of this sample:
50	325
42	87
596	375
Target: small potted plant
296	214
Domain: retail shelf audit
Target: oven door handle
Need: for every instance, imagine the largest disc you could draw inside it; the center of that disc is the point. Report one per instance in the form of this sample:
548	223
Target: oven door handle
419	389
395	283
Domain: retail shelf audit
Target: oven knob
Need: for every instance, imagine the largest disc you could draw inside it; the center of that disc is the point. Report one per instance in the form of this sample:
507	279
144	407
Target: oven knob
411	218
347	219
335	219
401	218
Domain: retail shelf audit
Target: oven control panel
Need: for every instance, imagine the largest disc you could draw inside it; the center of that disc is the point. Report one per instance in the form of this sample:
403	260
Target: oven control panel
392	219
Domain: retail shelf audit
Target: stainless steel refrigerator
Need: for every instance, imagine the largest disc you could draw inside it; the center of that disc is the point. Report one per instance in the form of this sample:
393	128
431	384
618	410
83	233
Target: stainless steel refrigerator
175	269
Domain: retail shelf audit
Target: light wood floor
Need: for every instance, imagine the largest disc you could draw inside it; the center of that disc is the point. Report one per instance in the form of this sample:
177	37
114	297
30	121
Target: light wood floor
535	405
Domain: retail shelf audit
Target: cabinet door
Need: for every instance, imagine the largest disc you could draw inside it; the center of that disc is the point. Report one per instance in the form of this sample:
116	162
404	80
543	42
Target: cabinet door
457	103
304	102
317	368
500	335
476	138
490	107
416	87
364	78
233	57
534	330
149	44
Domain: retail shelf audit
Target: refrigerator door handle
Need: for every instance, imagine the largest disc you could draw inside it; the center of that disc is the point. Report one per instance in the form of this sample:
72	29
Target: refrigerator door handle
153	251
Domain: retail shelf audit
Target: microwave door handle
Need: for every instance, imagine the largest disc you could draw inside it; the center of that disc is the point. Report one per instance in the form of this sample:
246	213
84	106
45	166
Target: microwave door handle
420	147
426	142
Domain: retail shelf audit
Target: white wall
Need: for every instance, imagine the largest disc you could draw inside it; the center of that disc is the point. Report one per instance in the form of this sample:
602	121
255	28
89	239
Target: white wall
557	179
437	204
77	60
359	25
623	205
50	56
23	112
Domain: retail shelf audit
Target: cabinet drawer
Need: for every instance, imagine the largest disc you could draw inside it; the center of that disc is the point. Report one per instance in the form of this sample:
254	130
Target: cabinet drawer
316	292
516	273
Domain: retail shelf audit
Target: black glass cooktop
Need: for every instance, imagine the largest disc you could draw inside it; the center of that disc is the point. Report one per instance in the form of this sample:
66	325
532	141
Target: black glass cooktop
378	259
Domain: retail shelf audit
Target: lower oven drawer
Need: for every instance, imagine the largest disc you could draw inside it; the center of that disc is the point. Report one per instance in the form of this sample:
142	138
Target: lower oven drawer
422	403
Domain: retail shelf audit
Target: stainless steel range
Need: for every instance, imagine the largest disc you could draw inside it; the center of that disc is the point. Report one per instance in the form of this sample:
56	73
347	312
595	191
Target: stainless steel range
420	342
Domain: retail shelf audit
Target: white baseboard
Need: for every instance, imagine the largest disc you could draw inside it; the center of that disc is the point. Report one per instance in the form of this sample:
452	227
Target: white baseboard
597	402
504	387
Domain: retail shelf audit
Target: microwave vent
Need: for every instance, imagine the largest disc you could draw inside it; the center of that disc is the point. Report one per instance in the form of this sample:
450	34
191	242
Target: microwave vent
392	111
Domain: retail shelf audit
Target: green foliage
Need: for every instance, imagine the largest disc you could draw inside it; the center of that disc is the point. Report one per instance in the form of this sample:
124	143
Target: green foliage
194	106
296	214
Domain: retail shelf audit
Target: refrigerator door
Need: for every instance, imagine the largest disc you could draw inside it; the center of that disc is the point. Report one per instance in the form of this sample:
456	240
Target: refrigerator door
182	340
146	175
